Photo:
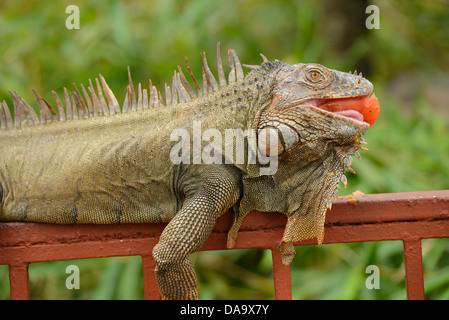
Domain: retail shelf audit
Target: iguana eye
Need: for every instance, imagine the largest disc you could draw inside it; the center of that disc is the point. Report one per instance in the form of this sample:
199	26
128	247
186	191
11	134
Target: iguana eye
315	75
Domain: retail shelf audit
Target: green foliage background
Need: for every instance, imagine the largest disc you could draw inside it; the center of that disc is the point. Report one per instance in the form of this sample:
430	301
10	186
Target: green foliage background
407	60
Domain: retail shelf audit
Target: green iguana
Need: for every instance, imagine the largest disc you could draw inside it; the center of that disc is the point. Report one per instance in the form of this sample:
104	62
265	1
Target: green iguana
91	161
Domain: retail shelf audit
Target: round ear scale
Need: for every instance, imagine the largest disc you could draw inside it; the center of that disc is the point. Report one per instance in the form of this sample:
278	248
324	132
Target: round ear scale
289	135
269	142
274	140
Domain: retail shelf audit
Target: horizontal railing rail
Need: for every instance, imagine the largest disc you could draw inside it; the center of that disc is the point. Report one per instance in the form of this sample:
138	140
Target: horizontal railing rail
408	217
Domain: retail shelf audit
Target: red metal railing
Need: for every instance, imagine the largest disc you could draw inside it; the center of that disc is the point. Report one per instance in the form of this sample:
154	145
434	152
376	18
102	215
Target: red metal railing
409	217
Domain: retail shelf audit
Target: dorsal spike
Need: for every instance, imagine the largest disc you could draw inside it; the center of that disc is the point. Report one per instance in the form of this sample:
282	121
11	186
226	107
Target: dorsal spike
3	124
82	108
19	110
61	111
161	99
153	97
68	105
174	91
112	101
29	112
82	112
231	76
54	115
19	115
212	83
104	105
183	94
77	104
238	66
132	95
265	60
75	114
150	100
126	105
221	76
9	123
90	109
175	88
44	111
251	66
98	110
139	97
145	104
205	82
186	84
195	83
129	96
168	94
157	103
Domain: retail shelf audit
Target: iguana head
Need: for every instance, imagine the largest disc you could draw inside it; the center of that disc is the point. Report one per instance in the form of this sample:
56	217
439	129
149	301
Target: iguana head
319	116
312	106
317	86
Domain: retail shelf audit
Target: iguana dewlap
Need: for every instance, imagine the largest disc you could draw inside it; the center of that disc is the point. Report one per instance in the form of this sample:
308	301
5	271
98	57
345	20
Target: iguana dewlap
161	159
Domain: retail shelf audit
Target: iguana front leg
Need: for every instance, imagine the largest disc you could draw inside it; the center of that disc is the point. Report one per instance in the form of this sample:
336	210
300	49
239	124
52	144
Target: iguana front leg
190	228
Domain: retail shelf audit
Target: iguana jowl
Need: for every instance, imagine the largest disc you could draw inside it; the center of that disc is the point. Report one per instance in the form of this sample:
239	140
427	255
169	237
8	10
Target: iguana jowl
94	162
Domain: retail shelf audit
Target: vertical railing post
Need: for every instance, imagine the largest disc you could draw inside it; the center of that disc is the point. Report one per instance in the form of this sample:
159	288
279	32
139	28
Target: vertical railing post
150	285
414	269
281	277
18	281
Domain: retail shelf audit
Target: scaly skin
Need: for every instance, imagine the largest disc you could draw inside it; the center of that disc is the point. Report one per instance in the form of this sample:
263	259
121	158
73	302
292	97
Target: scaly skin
117	168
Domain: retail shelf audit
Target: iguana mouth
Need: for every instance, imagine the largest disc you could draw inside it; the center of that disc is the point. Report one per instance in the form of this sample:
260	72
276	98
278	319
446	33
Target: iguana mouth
361	108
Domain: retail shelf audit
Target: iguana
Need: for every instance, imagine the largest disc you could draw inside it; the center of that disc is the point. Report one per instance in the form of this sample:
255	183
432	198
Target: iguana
90	161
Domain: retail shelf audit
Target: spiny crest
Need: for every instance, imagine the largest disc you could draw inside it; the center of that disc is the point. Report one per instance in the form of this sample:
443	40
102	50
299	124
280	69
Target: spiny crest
78	104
